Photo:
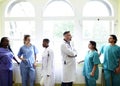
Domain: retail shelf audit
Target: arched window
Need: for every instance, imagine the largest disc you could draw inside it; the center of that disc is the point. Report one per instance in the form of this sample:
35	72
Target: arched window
58	17
20	9
97	8
19	20
97	22
58	8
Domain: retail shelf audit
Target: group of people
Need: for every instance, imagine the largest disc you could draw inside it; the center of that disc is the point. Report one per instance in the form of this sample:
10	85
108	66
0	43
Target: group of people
28	55
111	64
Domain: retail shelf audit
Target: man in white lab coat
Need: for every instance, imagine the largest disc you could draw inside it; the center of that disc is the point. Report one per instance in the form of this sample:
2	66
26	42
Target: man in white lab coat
69	63
47	65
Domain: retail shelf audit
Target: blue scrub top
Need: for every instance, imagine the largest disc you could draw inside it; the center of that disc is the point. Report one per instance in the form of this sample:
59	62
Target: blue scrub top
91	59
6	57
28	52
111	56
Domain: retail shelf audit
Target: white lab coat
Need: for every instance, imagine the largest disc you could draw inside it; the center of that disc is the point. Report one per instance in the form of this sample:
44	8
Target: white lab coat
47	67
69	64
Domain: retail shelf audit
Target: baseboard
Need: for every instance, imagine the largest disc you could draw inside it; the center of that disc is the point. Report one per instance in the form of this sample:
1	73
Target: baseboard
18	84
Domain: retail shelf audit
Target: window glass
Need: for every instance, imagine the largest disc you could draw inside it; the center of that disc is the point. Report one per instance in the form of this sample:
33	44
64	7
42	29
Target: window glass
96	8
58	8
21	9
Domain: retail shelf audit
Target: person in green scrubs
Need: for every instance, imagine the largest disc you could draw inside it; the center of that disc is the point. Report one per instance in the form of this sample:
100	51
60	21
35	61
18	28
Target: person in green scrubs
111	63
90	69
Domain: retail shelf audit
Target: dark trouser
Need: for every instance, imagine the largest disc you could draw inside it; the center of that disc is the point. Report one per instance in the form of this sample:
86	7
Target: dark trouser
67	84
6	78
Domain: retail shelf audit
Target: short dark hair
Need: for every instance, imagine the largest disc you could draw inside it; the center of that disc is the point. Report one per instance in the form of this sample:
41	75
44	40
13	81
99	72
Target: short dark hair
66	32
114	37
46	40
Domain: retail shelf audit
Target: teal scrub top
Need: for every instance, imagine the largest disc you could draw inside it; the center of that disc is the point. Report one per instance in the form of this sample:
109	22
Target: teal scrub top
91	59
111	56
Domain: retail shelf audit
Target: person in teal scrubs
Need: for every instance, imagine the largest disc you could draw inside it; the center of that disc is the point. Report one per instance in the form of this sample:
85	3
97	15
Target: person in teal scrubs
111	63
90	69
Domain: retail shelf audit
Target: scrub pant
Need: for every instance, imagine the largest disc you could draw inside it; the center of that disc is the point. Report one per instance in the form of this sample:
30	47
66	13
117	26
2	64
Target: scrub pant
111	79
6	78
67	84
28	76
91	81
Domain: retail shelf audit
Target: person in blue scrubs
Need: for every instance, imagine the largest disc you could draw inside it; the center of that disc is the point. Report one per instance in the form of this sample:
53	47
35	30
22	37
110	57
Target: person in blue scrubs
111	63
6	56
27	55
90	69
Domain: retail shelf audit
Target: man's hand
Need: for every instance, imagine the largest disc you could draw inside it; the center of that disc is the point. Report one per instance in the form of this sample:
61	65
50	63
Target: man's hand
117	70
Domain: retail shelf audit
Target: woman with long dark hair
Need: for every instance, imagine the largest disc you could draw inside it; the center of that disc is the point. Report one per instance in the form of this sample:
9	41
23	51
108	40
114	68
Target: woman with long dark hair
90	69
6	56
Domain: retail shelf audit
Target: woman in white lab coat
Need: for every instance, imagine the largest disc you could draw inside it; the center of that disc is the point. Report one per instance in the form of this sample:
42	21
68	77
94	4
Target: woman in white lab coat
69	63
47	72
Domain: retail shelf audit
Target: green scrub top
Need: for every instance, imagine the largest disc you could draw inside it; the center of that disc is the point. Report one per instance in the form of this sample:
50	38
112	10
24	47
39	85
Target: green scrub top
91	59
111	56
